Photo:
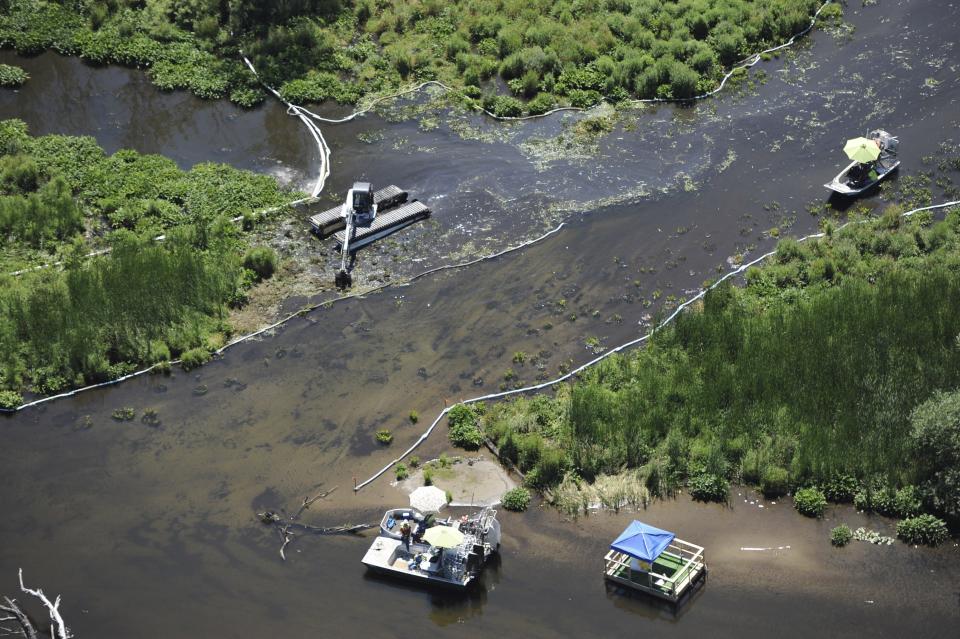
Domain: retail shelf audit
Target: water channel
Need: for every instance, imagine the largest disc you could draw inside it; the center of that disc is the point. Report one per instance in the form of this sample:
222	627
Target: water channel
150	532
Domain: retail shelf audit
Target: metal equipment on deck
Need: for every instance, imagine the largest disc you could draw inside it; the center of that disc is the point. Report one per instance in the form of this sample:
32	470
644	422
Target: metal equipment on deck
366	216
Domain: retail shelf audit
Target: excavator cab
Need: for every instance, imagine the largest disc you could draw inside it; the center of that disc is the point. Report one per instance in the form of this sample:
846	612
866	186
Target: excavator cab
364	209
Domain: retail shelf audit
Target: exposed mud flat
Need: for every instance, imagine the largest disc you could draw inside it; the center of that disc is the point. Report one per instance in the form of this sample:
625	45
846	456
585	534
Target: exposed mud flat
149	530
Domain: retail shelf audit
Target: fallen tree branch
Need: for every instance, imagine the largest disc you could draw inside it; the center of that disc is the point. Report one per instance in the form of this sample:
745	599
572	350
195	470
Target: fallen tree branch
58	628
286	536
286	527
18	615
307	502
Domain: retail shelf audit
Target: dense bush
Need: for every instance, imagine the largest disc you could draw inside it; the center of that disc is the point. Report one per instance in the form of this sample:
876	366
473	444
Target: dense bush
841	535
810	502
516	499
262	260
708	487
194	358
840	488
774	482
10	399
923	529
464	427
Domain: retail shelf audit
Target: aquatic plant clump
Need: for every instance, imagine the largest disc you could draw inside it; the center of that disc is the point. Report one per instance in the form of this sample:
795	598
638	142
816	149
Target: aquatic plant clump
872	537
841	535
12	76
810	502
924	530
544	52
516	499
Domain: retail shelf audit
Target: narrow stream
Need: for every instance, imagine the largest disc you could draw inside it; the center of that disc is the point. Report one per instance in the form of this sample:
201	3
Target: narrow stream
150	531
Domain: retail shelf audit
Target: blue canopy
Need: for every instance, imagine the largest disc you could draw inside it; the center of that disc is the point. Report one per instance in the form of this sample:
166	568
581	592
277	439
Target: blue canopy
642	541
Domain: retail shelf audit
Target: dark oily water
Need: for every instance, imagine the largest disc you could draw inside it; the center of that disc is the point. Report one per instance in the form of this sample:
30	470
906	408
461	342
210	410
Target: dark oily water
150	530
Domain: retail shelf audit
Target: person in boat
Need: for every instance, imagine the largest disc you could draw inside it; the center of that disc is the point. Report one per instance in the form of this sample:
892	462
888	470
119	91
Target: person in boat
859	173
405	535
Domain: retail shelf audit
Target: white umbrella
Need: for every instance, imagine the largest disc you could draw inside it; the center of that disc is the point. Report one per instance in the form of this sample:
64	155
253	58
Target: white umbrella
428	499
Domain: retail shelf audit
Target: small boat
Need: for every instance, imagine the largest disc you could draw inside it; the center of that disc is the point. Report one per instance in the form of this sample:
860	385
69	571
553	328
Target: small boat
447	552
859	176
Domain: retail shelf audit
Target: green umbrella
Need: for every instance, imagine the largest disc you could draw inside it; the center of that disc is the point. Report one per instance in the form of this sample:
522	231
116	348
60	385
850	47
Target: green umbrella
862	150
443	537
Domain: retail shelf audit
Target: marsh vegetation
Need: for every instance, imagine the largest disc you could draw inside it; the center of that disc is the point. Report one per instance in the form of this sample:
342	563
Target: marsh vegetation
831	373
119	298
511	56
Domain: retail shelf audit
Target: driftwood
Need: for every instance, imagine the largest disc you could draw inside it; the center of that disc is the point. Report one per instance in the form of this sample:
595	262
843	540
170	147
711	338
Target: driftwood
26	626
286	527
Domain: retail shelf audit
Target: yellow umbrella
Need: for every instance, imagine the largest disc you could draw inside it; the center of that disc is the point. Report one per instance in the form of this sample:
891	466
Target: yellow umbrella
443	537
862	150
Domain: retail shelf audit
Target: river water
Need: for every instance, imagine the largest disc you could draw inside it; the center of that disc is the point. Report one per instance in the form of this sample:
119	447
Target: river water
150	531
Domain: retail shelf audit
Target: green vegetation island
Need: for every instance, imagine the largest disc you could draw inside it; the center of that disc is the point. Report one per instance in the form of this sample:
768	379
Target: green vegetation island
512	57
833	374
151	259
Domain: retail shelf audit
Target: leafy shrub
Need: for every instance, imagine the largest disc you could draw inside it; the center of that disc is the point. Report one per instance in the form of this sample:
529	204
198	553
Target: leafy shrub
923	529
12	76
516	499
464	427
414	417
194	358
708	487
401	472
841	535
10	399
774	482
383	436
810	502
262	260
840	489
906	502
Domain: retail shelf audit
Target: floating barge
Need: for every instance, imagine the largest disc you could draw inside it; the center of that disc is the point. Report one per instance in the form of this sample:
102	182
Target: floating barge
386	222
366	217
655	562
448	553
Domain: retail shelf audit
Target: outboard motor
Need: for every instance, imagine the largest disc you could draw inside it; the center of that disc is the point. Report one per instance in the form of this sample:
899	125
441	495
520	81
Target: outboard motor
888	143
364	210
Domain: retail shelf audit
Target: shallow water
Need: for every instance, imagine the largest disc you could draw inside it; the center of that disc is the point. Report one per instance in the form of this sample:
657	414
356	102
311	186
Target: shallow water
150	531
